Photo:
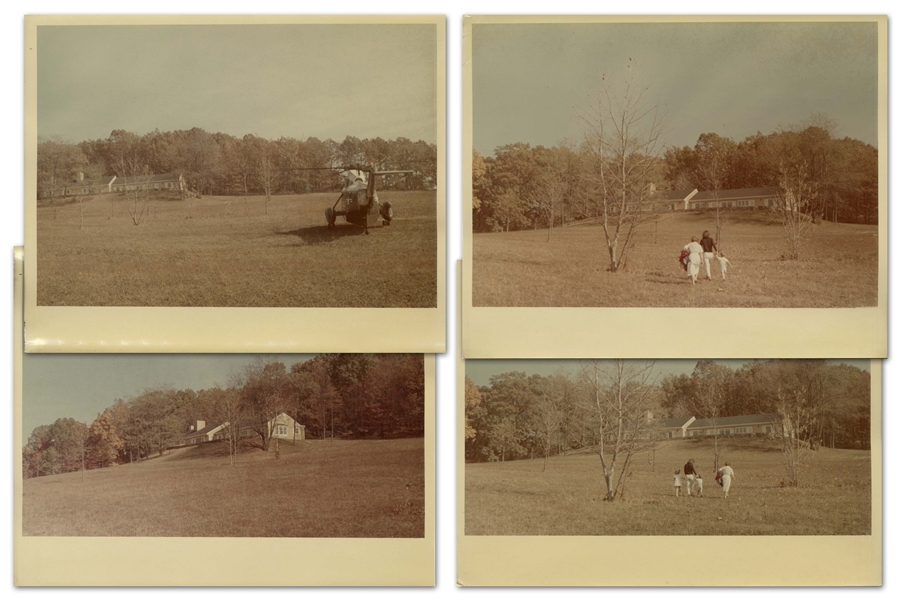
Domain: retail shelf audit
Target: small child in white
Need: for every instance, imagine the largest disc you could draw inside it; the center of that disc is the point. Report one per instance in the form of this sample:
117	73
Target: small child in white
677	483
723	262
699	491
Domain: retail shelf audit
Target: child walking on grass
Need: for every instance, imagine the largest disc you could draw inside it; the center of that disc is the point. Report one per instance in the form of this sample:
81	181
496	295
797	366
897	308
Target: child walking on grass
699	492
677	482
723	262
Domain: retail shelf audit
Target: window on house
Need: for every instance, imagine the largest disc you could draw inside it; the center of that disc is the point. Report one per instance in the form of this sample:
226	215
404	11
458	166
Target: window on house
281	430
156	186
297	430
169	184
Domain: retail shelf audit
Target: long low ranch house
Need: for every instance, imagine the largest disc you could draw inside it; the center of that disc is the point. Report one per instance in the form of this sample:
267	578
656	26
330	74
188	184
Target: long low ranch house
761	197
683	427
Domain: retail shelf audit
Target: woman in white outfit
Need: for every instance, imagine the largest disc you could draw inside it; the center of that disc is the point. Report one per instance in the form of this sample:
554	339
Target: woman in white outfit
727	475
695	259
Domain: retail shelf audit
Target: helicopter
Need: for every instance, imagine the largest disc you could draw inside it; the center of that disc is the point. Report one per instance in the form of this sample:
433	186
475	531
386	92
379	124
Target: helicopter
360	204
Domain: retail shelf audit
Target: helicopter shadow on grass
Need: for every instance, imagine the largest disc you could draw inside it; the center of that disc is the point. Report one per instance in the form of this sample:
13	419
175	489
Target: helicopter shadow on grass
320	234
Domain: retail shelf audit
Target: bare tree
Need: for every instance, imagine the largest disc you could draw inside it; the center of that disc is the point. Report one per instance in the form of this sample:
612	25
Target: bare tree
793	204
266	172
549	192
712	386
129	162
232	413
620	393
622	131
264	396
547	416
716	158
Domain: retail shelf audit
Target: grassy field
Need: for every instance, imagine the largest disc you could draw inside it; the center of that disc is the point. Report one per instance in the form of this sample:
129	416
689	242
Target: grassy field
517	498
232	253
315	489
838	266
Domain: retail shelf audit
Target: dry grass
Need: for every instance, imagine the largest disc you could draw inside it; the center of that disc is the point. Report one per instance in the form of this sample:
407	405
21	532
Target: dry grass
315	489
230	253
517	498
838	266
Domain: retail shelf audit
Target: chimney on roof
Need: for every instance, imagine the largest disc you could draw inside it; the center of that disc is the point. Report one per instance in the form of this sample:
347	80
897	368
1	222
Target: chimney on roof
201	425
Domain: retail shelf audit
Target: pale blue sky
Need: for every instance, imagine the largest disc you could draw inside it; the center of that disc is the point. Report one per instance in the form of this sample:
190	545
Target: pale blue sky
82	385
480	370
325	81
727	78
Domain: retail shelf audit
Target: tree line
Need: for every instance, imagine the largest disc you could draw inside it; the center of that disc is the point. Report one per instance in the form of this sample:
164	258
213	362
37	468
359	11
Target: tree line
223	164
611	407
352	396
529	187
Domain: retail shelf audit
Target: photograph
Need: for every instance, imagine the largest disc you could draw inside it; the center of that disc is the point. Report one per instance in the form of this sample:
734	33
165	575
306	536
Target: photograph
675	162
237	165
182	167
654	157
629	472
668	448
223	446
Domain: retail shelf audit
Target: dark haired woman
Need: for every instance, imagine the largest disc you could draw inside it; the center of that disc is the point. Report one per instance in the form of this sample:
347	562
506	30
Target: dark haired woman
708	252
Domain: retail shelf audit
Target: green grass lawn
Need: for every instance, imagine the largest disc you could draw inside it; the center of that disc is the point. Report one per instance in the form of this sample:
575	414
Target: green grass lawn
315	489
838	266
518	498
234	251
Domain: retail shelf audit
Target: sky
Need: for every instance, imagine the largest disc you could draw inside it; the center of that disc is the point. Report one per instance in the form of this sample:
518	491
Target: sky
733	79
82	385
300	81
480	371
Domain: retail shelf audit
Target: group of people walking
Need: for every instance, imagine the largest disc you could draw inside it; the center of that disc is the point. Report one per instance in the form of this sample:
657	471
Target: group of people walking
699	252
693	480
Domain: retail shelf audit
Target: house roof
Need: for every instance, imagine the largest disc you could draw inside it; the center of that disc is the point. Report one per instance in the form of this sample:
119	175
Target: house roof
250	421
760	419
673	422
98	181
738	194
148	178
207	429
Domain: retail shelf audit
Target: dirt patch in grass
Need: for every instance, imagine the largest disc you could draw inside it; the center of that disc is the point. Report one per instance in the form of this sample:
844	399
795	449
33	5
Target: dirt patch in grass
838	266
315	489
235	252
518	498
